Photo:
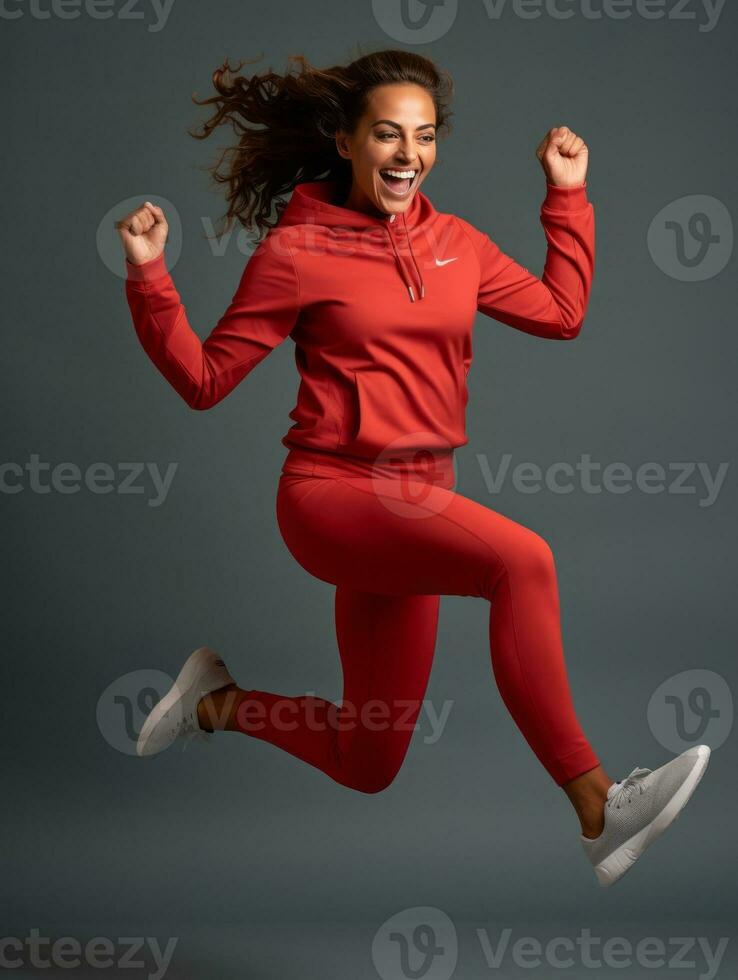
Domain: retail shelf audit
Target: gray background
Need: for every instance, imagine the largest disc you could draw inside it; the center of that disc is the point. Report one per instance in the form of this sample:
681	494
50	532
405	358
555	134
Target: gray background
99	585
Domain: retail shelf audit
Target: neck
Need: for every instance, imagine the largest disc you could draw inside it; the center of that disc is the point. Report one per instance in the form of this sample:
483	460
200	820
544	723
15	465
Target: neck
358	201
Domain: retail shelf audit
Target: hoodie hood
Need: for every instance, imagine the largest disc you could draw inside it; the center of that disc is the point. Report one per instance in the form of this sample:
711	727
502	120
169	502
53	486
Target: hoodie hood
314	202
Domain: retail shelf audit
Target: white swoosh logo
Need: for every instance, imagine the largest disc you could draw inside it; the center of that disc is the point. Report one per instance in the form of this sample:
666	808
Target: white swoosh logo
446	261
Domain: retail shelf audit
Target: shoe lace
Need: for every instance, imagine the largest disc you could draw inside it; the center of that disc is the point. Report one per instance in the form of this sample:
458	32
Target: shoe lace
627	787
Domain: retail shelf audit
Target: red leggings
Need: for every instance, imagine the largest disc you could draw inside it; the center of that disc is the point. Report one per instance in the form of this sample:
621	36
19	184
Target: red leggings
394	537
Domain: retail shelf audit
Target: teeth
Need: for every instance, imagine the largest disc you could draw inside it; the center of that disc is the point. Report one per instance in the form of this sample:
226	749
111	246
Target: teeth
399	173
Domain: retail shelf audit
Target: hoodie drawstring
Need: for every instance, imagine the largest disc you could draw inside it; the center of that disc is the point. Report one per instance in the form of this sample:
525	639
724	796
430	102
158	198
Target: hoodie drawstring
401	264
412	255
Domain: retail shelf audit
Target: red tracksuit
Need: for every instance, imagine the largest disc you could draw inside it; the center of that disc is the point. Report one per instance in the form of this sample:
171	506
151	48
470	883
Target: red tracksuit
381	310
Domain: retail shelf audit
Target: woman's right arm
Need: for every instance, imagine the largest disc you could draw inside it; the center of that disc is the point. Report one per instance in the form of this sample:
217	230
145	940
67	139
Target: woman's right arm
261	315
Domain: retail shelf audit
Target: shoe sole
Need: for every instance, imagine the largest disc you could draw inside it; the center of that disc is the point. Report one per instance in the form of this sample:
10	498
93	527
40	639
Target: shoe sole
616	864
184	680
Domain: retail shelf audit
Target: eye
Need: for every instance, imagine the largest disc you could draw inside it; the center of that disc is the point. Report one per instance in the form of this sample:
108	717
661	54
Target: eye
427	138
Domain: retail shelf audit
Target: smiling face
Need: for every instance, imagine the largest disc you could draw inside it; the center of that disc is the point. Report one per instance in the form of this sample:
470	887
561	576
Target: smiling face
396	133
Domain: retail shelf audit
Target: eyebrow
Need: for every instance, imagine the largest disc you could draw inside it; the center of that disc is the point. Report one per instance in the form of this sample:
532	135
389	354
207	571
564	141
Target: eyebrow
390	122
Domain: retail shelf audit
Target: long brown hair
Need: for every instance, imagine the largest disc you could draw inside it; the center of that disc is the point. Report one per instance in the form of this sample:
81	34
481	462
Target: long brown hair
298	114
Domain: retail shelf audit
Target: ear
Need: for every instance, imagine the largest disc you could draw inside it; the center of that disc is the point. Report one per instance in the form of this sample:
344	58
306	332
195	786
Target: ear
342	145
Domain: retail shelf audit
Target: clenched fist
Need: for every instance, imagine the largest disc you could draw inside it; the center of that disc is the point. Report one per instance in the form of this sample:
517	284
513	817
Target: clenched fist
564	157
143	233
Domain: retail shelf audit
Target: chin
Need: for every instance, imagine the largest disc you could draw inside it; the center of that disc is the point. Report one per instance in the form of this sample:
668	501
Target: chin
391	205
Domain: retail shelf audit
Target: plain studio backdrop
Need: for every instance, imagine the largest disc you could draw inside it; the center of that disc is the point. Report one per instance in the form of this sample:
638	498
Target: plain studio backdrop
256	862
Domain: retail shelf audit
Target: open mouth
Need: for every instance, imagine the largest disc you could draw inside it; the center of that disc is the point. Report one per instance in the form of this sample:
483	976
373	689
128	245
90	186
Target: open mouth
399	182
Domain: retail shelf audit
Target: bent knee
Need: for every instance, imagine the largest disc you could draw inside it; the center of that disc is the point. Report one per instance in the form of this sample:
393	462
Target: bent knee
375	778
374	785
532	558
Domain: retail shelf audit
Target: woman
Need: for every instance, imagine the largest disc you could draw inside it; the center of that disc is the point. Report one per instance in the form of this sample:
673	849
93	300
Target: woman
379	293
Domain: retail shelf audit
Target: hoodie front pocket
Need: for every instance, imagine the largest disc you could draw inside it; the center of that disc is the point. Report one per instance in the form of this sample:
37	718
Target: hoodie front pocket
381	413
378	413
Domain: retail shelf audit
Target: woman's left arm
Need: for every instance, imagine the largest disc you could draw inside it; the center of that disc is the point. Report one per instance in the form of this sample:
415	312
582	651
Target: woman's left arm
555	305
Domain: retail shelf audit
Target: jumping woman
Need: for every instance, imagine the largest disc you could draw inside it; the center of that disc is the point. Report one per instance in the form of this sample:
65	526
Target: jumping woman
379	293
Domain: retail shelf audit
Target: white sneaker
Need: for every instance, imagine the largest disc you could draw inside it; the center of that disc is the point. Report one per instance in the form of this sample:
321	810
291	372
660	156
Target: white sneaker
639	808
176	714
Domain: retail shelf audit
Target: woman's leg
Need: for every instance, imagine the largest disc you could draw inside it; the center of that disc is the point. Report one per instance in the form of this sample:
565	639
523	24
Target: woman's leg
385	537
386	644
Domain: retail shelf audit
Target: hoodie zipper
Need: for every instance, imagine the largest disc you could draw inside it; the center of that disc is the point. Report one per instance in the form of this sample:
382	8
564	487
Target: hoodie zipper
403	271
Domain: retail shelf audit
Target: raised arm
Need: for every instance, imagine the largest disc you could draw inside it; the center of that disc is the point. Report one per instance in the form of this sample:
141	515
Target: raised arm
553	306
261	315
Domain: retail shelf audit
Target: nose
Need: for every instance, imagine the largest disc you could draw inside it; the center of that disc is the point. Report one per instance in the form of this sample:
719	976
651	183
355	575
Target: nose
406	153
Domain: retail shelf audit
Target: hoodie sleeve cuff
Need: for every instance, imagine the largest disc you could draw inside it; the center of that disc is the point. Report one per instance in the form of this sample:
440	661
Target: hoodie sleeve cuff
566	198
147	271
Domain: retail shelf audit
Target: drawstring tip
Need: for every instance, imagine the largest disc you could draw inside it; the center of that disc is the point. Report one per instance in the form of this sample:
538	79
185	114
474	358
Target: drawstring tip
412	297
422	292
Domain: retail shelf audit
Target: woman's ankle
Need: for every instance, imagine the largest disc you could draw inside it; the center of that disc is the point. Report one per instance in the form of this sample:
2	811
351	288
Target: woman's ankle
215	709
592	819
587	794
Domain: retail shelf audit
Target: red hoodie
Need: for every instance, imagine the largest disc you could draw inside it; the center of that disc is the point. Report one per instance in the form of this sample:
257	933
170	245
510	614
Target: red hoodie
381	309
